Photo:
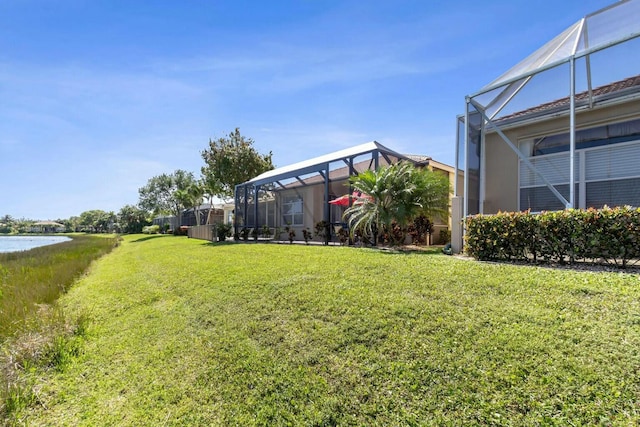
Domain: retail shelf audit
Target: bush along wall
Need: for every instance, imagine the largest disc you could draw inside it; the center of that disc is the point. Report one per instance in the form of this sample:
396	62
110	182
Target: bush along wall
605	236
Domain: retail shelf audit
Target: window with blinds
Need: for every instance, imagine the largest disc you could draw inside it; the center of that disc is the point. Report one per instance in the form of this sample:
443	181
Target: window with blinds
607	171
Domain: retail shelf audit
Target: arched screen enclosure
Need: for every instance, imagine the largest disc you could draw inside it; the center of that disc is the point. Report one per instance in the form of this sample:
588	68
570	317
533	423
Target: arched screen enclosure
297	196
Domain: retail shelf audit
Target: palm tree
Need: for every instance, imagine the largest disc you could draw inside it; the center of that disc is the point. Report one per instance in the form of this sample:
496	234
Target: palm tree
397	193
210	190
189	197
196	195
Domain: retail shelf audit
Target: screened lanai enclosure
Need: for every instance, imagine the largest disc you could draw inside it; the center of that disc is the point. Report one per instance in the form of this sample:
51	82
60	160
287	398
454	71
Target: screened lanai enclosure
297	196
561	129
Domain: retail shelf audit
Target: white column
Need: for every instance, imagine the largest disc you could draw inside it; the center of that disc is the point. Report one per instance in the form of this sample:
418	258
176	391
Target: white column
572	134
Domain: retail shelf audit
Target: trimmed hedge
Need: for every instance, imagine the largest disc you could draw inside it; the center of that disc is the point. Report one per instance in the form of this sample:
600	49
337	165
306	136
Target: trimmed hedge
607	235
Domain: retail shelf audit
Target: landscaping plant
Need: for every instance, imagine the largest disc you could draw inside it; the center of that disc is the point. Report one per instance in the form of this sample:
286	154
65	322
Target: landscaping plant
397	193
323	230
306	234
608	235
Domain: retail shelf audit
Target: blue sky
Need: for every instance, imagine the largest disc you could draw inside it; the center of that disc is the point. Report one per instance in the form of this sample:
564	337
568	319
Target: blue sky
98	96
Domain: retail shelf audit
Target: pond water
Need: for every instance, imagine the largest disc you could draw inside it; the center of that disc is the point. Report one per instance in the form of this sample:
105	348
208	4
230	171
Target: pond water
24	243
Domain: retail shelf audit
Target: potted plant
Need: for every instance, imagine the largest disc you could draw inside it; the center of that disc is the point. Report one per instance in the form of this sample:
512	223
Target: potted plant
323	230
306	233
292	233
244	234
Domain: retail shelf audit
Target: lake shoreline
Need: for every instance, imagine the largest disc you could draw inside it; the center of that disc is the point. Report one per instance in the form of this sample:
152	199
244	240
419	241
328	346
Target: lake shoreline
24	242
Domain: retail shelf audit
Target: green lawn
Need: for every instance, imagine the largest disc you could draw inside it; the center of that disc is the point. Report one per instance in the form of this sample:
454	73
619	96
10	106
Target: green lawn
182	332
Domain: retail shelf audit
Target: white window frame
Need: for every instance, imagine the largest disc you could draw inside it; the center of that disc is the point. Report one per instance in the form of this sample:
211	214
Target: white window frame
293	208
581	179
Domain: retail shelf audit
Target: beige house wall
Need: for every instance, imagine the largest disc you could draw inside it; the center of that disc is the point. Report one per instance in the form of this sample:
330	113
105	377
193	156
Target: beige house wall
449	172
307	194
501	174
312	203
501	165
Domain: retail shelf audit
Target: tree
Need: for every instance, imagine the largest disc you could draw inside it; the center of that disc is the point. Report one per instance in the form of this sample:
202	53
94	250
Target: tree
132	219
72	224
397	193
97	221
167	194
6	223
106	221
231	161
192	197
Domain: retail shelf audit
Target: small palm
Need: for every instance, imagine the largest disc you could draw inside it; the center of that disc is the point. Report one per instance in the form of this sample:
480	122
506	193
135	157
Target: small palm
396	193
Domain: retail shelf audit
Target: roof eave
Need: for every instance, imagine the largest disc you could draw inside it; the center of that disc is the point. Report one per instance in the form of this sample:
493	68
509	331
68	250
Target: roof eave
536	117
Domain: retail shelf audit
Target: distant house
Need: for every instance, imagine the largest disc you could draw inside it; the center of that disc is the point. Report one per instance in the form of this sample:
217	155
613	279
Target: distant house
298	195
209	214
166	222
47	227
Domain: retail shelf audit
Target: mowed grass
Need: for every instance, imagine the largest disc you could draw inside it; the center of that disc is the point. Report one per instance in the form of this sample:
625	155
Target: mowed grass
182	332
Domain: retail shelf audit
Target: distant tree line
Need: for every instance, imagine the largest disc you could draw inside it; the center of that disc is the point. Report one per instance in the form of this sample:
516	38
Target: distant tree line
130	219
228	161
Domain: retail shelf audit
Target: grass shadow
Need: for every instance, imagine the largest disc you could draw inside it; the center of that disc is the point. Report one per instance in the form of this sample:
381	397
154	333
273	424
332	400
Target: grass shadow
153	236
216	243
409	250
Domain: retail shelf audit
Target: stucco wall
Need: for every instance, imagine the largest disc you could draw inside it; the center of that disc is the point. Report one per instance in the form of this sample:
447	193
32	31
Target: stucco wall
501	173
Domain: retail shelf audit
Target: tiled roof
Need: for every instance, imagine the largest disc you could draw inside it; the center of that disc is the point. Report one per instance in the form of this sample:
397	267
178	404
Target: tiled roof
420	159
619	88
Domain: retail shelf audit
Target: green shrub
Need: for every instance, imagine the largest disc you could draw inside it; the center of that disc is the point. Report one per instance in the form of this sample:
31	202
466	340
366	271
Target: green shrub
222	231
608	235
557	234
392	235
291	233
420	230
151	229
